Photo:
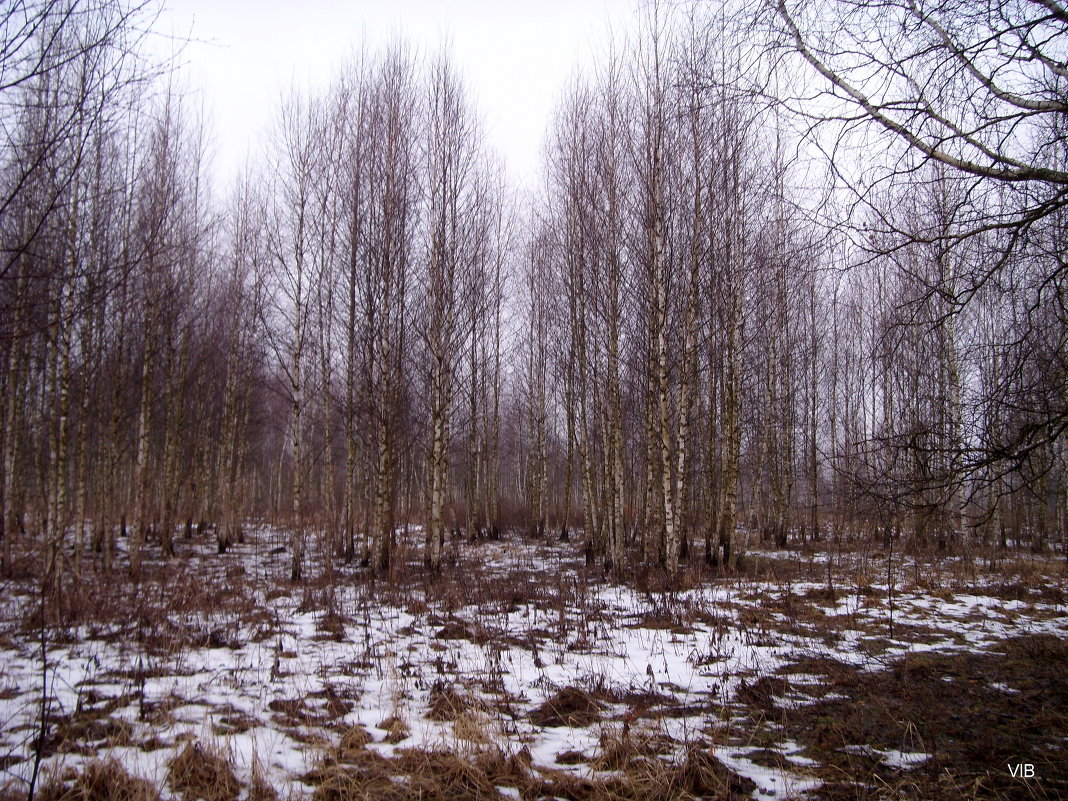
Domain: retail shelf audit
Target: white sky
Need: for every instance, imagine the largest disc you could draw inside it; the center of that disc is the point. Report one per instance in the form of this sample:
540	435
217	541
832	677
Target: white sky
517	56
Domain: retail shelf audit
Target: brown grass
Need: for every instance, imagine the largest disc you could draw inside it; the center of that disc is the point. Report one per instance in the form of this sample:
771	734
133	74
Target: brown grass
101	780
414	775
430	775
943	704
259	789
396	729
202	773
445	703
697	775
470	728
355	738
569	707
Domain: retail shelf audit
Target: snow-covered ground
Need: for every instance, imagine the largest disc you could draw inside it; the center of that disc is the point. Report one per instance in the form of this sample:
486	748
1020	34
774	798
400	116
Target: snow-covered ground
275	681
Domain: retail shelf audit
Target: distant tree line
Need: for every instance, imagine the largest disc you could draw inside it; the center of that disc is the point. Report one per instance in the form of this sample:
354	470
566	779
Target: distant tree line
736	307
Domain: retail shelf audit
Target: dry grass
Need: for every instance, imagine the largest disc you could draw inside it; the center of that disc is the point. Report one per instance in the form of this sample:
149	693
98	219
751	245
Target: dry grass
396	729
354	739
471	728
445	703
101	780
203	774
434	775
259	788
945	704
953	706
651	778
569	707
414	775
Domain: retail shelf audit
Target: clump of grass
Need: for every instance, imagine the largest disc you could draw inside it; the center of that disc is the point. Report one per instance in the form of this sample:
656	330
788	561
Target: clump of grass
621	747
569	707
342	783
396	729
259	789
701	774
101	780
204	774
470	727
419	775
650	778
355	738
446	776
445	703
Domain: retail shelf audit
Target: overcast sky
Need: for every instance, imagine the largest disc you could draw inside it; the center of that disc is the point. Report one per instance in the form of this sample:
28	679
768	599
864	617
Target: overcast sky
517	56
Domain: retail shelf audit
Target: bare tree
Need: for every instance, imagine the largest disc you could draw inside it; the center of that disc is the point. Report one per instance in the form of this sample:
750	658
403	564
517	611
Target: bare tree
392	217
456	253
243	290
290	245
979	90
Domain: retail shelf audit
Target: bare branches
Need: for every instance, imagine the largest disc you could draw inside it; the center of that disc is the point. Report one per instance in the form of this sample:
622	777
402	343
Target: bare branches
941	118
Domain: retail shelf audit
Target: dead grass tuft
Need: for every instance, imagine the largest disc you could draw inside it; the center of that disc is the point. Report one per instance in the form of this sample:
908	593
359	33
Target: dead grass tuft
355	739
701	774
396	729
202	773
445	776
470	727
445	703
651	778
621	748
259	789
101	780
569	707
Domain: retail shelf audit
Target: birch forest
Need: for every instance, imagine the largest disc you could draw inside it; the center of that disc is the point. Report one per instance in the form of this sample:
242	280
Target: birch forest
766	374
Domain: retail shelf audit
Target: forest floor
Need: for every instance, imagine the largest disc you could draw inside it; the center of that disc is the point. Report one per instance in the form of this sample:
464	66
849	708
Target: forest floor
824	672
